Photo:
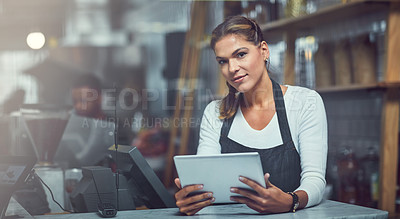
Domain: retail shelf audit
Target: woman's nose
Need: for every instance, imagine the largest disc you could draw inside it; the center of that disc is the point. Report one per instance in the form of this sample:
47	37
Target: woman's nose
233	66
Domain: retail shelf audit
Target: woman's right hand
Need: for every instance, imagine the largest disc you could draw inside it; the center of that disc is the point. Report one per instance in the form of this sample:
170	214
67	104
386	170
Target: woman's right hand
190	205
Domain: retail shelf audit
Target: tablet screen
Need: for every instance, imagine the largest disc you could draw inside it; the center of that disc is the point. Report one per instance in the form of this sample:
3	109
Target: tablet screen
218	173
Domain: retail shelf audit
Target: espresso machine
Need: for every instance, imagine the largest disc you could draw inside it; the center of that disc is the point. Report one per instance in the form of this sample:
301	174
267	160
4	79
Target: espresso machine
45	125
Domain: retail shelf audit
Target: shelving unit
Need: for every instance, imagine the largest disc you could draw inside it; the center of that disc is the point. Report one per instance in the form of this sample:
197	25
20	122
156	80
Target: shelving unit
291	28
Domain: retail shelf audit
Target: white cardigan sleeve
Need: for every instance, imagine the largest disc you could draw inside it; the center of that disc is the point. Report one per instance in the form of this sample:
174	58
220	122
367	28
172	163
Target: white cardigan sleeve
313	148
210	130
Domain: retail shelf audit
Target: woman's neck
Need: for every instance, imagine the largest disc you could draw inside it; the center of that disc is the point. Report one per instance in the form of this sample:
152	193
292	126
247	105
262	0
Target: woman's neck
261	96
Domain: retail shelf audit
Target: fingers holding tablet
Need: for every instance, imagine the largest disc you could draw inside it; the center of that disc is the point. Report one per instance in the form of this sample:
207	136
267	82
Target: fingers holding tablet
267	182
190	199
263	199
253	184
194	206
245	193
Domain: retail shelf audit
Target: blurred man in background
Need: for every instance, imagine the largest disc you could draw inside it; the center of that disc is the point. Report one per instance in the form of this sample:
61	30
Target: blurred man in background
88	134
86	97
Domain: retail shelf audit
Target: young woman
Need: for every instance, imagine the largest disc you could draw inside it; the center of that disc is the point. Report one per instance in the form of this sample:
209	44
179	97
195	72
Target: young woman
286	125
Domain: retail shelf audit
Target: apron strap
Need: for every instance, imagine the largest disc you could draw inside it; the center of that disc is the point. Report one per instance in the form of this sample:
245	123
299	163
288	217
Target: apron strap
226	126
281	113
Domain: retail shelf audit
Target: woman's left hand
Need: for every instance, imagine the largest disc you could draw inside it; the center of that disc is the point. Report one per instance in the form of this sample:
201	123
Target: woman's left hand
270	199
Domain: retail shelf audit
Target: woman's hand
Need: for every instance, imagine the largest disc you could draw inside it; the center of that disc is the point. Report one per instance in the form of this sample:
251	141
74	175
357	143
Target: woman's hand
191	204
264	200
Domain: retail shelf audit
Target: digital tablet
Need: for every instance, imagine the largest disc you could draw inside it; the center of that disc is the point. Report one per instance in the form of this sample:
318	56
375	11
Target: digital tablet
218	173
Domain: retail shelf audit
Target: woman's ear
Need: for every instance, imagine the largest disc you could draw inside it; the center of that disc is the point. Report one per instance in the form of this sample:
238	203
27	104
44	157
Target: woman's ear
264	50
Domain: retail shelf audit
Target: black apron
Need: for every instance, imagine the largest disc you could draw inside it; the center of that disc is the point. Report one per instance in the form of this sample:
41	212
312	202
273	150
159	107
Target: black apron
282	161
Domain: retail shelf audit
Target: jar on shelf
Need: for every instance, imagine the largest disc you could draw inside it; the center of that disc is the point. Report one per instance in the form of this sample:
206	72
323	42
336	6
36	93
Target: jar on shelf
363	55
295	8
324	76
342	60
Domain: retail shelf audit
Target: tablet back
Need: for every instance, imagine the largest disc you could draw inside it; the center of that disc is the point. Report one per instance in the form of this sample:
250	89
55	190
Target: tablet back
218	173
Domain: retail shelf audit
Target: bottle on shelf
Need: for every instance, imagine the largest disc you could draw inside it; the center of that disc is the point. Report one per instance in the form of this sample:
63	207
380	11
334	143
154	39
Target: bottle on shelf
348	168
369	182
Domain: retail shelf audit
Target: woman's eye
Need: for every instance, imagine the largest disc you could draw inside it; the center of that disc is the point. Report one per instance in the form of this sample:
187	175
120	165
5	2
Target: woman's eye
241	54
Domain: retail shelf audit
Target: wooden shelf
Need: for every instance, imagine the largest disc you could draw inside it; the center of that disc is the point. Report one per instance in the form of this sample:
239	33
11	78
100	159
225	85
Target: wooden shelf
336	13
354	87
393	84
327	15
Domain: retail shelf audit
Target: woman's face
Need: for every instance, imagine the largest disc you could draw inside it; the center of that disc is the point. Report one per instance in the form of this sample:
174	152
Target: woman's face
241	62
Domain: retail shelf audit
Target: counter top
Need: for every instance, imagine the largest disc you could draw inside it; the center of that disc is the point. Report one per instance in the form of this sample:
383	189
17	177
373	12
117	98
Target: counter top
327	209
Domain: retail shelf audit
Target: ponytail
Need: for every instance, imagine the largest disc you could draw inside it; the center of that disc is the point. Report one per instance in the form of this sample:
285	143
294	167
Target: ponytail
229	103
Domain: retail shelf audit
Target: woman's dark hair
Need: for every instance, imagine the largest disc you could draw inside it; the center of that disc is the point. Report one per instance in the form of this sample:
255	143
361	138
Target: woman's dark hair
87	80
250	31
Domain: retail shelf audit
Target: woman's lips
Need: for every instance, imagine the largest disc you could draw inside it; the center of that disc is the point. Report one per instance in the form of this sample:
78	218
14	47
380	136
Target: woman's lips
239	79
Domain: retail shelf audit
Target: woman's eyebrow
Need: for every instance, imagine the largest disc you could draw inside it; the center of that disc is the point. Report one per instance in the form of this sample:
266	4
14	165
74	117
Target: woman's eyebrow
233	53
237	50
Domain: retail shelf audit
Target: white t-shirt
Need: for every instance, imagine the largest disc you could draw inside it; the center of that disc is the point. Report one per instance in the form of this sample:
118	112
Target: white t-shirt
308	126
